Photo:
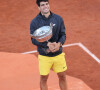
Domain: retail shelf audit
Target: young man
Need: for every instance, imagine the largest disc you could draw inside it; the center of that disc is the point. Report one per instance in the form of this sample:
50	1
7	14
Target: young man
55	58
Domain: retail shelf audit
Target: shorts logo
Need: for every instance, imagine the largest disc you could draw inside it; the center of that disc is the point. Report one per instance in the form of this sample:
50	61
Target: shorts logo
64	67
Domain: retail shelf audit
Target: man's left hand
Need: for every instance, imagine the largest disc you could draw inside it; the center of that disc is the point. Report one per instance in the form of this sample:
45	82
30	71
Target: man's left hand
57	46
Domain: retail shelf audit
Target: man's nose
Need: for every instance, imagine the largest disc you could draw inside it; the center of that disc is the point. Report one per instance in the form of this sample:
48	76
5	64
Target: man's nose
45	5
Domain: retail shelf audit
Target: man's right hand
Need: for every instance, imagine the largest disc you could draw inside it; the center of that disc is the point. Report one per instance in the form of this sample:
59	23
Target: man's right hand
51	46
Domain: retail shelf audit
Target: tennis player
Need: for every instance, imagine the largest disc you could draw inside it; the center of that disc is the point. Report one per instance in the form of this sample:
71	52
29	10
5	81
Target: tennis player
51	54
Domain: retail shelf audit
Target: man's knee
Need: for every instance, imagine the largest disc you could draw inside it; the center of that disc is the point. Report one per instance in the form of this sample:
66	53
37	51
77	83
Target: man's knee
62	76
43	78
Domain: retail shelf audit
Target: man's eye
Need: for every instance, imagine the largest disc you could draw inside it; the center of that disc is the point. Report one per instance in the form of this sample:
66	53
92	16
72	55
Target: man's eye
42	5
46	3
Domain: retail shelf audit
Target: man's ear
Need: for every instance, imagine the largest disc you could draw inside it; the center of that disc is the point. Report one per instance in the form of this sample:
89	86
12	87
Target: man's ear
38	7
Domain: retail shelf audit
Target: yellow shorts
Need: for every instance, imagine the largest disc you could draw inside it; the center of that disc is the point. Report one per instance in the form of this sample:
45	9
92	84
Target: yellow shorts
58	63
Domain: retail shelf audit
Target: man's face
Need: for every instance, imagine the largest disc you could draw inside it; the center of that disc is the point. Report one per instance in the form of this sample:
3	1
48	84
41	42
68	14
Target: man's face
44	7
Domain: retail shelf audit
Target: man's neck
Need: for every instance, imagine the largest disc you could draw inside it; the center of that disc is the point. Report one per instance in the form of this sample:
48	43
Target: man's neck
46	15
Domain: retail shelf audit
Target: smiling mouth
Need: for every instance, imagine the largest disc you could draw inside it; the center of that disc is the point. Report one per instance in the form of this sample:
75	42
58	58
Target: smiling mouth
46	9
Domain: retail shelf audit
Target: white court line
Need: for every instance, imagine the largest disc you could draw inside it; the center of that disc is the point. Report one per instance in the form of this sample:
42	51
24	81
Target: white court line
63	46
90	53
70	44
29	52
74	44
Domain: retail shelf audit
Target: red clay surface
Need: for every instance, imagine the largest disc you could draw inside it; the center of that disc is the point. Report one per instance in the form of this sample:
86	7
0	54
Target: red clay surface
20	72
82	21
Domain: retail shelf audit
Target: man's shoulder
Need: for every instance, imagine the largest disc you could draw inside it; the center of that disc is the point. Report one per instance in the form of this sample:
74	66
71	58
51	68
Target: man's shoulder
57	16
35	19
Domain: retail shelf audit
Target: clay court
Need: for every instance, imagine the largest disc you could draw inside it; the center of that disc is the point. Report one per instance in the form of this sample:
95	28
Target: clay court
19	71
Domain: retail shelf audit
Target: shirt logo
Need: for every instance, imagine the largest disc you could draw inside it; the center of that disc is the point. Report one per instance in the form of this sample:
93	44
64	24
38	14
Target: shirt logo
54	24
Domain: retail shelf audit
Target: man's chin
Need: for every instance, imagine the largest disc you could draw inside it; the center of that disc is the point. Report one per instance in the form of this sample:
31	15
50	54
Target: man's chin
46	12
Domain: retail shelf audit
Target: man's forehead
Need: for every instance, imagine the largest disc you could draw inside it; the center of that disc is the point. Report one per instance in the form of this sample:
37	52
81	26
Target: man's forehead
43	2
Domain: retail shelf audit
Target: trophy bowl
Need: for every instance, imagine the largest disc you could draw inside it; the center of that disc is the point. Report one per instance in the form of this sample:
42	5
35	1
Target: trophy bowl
43	33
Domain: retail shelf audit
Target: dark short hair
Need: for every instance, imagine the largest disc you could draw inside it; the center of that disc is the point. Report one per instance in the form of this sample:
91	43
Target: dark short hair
38	1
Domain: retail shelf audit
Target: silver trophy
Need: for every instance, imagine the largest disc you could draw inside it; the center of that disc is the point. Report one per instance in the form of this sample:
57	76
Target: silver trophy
42	34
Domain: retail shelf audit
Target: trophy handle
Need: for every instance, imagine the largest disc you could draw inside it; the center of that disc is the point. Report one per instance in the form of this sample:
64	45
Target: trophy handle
51	25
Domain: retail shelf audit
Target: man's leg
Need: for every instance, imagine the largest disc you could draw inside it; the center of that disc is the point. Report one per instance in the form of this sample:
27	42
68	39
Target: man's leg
45	63
62	80
43	82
